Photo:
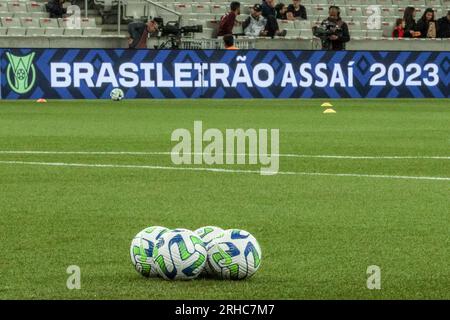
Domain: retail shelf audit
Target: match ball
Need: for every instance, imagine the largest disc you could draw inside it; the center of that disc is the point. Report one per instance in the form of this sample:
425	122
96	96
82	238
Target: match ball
235	255
209	233
180	255
141	250
116	94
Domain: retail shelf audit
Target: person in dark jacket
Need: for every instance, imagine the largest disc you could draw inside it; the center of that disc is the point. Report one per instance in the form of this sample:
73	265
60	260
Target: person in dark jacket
281	10
296	11
139	32
339	29
409	17
228	21
269	12
55	8
427	25
444	26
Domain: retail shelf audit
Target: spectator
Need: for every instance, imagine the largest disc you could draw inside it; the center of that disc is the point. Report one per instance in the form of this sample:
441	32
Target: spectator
55	8
281	10
139	33
228	21
444	26
427	25
296	11
337	28
409	17
269	12
228	41
255	23
399	31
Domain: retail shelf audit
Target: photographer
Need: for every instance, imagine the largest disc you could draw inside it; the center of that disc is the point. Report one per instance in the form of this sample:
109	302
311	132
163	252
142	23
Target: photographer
55	8
333	31
139	33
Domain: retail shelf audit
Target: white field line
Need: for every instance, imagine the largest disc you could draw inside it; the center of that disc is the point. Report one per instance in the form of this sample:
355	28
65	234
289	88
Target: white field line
150	167
288	155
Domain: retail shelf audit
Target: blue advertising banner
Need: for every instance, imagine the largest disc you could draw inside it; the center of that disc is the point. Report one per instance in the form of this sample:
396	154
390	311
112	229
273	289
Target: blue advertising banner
93	73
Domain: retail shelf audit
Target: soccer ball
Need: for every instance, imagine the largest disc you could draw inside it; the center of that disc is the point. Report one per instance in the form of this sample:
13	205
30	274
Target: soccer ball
116	94
179	255
141	250
236	255
209	233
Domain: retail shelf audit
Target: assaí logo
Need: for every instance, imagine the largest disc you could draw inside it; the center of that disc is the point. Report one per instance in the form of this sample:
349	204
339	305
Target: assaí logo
20	73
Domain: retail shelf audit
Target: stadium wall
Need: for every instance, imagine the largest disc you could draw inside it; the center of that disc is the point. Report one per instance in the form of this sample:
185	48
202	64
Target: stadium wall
93	73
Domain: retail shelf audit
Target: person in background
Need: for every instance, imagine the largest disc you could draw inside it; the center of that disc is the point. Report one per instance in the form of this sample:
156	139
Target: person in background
444	26
281	10
139	32
228	41
339	29
409	17
255	24
399	31
228	21
55	8
427	25
269	12
296	11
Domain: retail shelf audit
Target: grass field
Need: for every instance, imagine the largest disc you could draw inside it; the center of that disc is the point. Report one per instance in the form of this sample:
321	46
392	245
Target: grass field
318	233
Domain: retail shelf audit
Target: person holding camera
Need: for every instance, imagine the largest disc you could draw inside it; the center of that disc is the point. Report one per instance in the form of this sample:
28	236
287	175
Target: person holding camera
139	32
333	31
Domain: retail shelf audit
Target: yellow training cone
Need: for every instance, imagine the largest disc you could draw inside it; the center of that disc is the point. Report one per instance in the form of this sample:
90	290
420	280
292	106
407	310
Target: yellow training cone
326	105
329	110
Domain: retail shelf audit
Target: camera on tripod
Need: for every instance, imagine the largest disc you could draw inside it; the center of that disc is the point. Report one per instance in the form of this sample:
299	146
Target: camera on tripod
325	31
174	32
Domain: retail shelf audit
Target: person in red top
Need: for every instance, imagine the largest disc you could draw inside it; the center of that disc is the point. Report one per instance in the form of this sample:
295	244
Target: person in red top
139	33
227	21
399	31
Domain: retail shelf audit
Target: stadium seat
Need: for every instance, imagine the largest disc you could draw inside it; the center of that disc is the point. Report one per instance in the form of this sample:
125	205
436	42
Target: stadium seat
50	31
292	33
302	24
15	31
32	31
70	28
285	24
89	31
4	7
10	22
183	7
17	7
35	7
201	8
48	23
29	22
135	10
218	9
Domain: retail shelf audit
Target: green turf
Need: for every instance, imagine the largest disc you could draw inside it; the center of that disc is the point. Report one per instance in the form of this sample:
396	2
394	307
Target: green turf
318	233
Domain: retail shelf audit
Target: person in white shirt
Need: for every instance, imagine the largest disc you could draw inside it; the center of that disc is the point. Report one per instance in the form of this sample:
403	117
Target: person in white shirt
255	24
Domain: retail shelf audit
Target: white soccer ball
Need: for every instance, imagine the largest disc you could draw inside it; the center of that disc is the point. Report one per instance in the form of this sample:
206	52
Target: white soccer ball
116	94
236	255
179	255
141	250
208	234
